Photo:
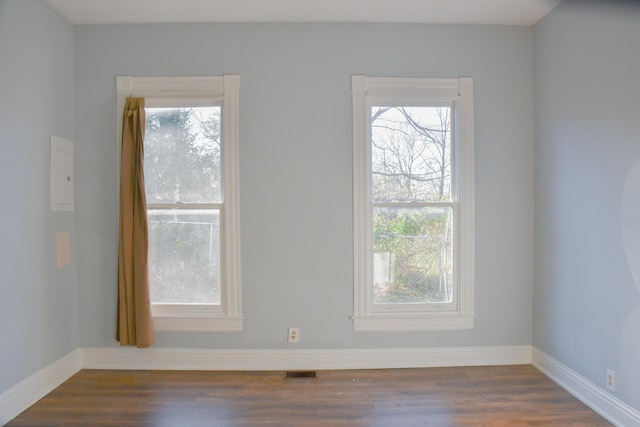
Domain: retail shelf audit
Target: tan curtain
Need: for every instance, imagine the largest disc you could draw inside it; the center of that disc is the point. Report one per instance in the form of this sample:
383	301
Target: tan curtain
134	308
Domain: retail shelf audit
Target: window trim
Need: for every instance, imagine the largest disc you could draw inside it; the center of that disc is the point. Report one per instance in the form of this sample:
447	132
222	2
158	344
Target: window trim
412	91
225	89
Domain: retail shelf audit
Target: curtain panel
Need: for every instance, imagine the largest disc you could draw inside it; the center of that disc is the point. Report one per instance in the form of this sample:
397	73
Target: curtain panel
134	321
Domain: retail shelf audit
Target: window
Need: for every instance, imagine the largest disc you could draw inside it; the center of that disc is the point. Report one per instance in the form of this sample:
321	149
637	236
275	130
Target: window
413	203
190	162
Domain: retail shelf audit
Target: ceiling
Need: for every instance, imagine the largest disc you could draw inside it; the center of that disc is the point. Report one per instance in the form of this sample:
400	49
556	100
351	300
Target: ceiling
501	12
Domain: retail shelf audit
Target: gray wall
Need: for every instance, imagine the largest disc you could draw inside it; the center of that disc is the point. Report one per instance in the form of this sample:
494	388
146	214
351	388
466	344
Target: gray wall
587	258
38	301
295	169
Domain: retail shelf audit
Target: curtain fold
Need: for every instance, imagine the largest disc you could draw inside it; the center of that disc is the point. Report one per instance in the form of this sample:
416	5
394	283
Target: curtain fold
134	322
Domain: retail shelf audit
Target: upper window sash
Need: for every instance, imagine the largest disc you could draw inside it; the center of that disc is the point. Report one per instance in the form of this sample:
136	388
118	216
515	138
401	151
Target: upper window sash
392	102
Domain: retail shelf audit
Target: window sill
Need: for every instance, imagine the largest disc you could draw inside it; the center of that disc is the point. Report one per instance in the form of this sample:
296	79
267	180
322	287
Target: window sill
397	322
197	324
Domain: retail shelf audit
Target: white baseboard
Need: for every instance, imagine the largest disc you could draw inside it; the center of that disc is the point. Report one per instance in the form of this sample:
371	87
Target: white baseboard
605	404
302	359
35	387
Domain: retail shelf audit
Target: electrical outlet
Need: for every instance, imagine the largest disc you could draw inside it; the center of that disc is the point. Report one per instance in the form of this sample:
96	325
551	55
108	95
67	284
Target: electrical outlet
294	335
611	380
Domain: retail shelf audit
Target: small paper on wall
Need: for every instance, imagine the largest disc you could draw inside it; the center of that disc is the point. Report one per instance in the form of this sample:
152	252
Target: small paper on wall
62	249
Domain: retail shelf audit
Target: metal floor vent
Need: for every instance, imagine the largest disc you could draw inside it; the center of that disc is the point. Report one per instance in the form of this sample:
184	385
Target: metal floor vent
299	374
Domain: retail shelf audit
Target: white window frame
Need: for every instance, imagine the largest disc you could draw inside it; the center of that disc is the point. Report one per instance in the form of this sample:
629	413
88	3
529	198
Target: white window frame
216	90
376	91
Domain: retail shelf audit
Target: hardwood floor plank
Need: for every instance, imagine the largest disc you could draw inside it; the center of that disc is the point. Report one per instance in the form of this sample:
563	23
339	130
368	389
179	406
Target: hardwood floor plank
469	397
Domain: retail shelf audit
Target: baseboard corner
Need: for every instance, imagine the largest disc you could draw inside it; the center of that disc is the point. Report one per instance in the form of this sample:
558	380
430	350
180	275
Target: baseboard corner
33	388
608	406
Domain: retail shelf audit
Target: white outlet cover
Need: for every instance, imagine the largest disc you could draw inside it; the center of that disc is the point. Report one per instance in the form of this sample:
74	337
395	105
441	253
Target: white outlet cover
294	335
611	380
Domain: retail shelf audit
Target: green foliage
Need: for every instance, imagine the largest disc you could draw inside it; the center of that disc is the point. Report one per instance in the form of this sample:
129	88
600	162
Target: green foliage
420	242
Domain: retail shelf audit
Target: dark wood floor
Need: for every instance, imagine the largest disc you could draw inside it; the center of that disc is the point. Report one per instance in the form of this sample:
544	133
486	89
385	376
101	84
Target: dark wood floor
476	396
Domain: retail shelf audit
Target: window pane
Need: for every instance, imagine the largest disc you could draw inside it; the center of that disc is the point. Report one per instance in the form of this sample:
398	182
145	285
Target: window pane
184	256
412	255
411	153
182	155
